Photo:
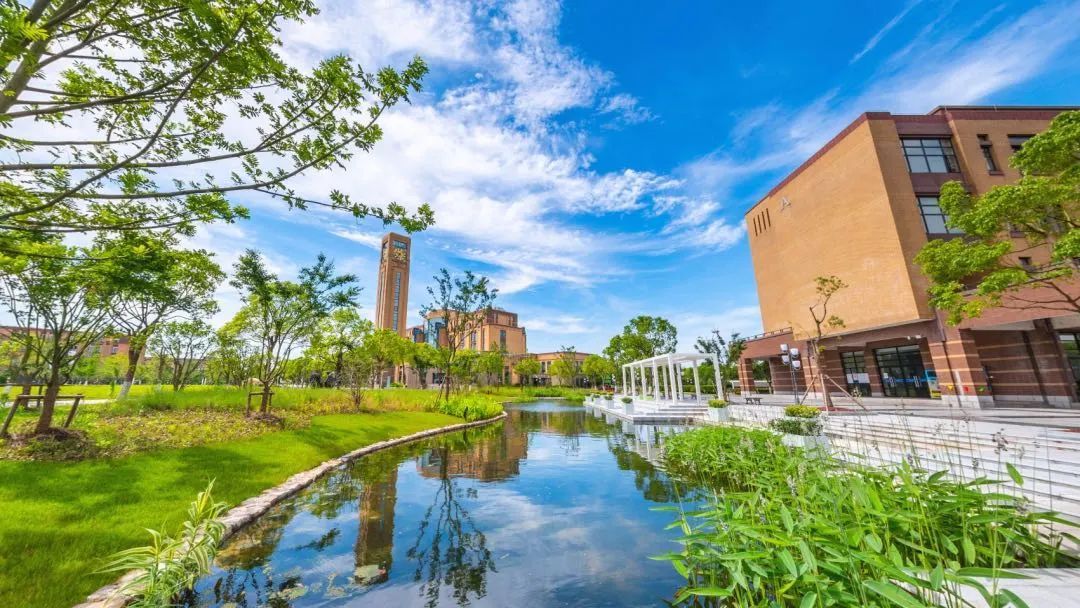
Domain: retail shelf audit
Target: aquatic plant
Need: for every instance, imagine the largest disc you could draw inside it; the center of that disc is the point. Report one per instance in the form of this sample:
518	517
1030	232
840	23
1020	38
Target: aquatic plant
783	529
170	565
470	407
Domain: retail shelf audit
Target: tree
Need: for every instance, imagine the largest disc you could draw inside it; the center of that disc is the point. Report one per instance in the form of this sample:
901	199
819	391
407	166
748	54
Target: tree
598	369
641	338
233	359
165	284
386	348
280	316
177	90
463	303
727	354
341	332
185	345
109	368
976	271
565	368
464	367
424	357
58	297
357	369
526	369
826	288
490	364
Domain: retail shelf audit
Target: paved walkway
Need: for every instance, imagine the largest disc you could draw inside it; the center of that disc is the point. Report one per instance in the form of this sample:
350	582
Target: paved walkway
1036	415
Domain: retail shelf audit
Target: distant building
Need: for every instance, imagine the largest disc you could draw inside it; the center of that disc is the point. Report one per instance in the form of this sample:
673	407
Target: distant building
392	289
861	208
545	377
498	330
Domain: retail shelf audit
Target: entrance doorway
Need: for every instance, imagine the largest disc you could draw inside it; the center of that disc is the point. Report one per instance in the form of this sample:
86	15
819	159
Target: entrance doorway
902	371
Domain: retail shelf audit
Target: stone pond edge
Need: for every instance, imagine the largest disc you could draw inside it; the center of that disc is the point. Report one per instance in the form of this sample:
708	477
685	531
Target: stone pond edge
244	513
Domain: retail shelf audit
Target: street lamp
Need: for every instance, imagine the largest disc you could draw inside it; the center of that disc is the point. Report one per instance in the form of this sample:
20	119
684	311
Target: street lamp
790	357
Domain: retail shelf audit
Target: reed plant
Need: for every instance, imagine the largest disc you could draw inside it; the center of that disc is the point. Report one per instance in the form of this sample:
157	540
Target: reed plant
784	527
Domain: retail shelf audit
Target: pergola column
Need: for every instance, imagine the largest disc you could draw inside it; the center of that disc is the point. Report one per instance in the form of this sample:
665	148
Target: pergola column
697	382
716	372
656	382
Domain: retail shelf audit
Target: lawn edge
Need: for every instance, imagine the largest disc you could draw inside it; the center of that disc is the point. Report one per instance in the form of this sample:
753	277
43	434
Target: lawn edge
244	513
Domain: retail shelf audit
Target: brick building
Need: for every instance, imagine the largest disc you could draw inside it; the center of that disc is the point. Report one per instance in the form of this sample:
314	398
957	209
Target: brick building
861	208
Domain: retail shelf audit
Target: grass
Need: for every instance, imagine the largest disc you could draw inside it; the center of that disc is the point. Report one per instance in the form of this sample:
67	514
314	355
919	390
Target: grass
103	391
532	393
62	519
787	527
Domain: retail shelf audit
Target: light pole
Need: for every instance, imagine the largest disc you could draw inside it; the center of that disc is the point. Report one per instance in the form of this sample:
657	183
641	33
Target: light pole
790	357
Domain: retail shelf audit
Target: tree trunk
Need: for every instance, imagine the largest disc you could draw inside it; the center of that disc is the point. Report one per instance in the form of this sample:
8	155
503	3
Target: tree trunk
134	354
264	403
48	404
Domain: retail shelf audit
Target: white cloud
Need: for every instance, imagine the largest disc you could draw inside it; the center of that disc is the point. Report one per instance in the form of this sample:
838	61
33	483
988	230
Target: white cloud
876	38
367	239
627	109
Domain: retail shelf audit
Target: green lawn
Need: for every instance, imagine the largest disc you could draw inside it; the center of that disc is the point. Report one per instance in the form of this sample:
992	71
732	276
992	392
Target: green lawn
105	391
60	519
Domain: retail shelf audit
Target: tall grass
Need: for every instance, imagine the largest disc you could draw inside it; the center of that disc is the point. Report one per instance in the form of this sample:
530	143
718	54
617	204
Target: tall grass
786	527
470	407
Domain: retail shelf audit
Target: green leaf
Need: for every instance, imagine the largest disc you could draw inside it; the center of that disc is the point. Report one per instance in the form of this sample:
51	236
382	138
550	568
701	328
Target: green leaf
1017	478
1012	597
969	550
937	576
894	594
789	563
710	591
808	600
991	573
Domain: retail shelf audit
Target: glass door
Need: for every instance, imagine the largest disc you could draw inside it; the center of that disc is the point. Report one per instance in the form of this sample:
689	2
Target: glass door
855	376
902	371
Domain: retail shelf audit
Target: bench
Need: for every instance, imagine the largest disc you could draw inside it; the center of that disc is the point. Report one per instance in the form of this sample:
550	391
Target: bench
25	400
752	400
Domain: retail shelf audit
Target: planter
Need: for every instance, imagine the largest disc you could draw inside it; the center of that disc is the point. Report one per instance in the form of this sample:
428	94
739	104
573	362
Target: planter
719	414
807	442
629	407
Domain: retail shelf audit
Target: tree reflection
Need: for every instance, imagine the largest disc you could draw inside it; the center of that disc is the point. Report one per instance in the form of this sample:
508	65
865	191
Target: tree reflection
449	549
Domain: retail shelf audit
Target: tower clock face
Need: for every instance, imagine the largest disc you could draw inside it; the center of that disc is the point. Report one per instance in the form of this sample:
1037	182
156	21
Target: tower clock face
399	255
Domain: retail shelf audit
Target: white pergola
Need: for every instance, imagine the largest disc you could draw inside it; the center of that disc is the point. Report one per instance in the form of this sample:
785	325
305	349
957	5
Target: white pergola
664	383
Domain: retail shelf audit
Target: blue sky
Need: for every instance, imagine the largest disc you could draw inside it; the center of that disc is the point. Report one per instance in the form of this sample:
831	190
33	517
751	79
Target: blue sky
595	158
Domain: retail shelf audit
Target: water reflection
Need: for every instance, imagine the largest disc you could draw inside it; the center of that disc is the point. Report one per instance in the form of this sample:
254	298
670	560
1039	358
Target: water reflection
551	507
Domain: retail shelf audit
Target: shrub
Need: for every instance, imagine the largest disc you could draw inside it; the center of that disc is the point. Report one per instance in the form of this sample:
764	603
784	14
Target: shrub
470	407
627	400
718	403
801	411
609	397
809	427
171	565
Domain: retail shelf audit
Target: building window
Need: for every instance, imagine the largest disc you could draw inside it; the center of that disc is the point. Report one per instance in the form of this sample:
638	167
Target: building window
1017	141
397	297
1025	263
502	339
934	219
472	340
988	154
930	155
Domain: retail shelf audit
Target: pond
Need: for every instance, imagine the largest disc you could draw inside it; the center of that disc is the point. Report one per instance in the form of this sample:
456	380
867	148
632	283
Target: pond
553	507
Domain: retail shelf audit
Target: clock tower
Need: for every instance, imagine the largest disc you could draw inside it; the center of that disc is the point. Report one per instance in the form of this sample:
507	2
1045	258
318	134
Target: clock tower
392	291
